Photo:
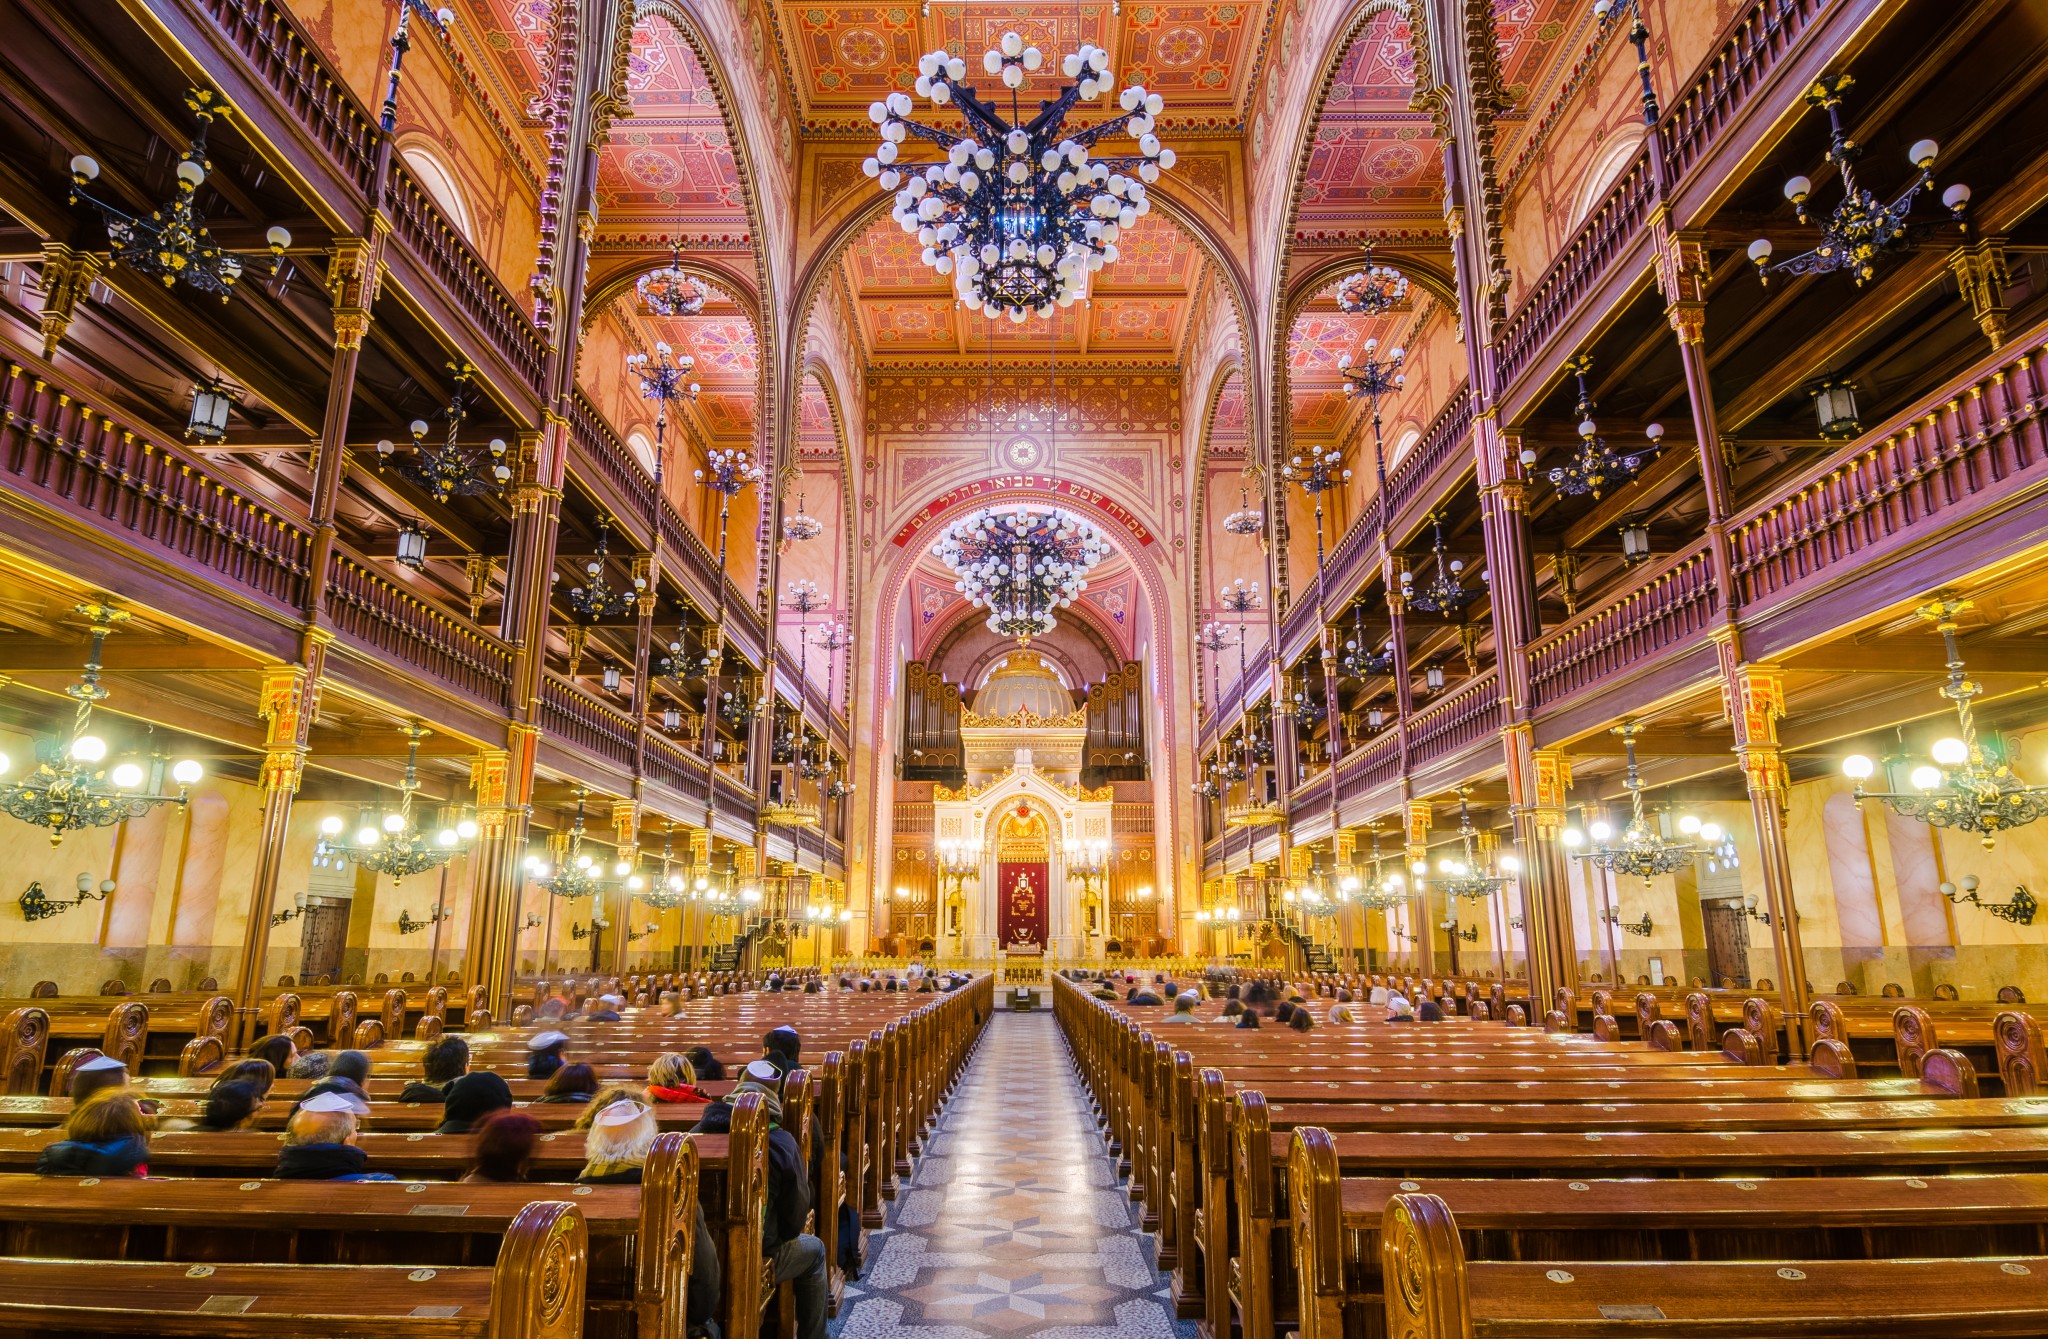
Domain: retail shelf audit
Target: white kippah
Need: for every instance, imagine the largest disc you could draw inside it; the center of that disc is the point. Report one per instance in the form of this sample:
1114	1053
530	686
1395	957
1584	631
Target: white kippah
760	1071
621	1113
542	1040
333	1101
99	1064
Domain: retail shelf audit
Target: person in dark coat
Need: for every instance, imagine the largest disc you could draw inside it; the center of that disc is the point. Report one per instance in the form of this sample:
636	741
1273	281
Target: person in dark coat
782	1048
799	1257
471	1098
544	1053
106	1135
320	1142
444	1062
347	1075
572	1085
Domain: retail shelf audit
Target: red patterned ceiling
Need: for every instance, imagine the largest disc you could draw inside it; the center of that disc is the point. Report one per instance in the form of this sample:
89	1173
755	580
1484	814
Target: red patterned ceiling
1374	161
722	341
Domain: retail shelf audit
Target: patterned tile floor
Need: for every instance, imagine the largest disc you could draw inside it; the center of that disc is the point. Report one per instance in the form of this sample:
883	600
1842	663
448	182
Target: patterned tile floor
1014	1224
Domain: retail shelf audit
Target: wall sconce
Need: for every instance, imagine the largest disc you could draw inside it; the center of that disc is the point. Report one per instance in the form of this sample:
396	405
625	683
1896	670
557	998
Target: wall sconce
35	906
611	678
1834	402
1635	541
532	920
290	913
2019	911
1749	907
208	421
412	545
407	925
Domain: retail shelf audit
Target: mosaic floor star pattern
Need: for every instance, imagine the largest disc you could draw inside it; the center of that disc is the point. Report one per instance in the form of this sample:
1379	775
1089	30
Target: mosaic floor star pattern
1014	1224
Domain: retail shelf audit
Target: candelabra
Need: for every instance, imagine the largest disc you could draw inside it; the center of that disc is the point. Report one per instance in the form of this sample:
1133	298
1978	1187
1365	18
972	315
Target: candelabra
1861	228
1358	660
1372	291
1597	466
1467	877
69	789
1969	787
802	527
664	379
1469	934
449	469
1021	566
2019	911
290	913
725	473
407	925
578	875
669	291
38	906
1247	521
173	243
1640	852
395	845
597	599
1643	927
1317	474
1445	592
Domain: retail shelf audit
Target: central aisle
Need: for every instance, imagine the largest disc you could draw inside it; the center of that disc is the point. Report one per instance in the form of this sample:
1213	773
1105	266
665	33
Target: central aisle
1015	1223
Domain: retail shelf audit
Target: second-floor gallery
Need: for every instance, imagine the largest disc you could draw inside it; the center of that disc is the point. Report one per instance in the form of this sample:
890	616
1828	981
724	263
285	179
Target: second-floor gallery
1542	489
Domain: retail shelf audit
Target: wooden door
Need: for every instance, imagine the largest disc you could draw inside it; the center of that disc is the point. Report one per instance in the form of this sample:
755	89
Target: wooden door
323	934
1727	930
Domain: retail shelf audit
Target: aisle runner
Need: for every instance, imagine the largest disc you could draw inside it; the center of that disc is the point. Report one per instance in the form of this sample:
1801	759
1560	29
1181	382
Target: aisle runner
1015	1224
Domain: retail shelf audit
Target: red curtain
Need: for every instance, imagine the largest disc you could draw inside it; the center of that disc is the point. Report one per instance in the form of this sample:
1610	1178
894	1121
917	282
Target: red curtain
1021	911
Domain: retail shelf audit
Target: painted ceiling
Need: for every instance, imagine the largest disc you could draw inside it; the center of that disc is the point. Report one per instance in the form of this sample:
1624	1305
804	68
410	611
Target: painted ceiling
1138	309
721	339
1375	163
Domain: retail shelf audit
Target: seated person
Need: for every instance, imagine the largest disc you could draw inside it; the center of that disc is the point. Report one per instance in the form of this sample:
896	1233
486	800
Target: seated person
233	1105
471	1098
347	1075
1429	1011
671	1079
1341	1011
320	1142
1301	1020
1284	1013
444	1062
257	1072
544	1053
504	1147
1249	1018
107	1134
1184	1008
97	1074
1399	1010
278	1050
615	1151
607	1010
1231	1009
799	1257
310	1065
708	1067
781	1048
571	1085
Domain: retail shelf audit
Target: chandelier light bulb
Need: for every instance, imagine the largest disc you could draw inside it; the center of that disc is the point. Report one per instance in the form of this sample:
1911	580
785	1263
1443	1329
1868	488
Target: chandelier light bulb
1573	837
1711	832
88	748
446	837
1857	767
466	830
127	776
368	836
1689	825
1950	752
331	826
394	823
585	862
1925	778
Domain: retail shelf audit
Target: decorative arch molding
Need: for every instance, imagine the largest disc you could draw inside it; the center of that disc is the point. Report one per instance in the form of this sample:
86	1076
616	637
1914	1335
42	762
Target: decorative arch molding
430	167
622	271
1622	149
961	617
1428	274
848	515
1199	551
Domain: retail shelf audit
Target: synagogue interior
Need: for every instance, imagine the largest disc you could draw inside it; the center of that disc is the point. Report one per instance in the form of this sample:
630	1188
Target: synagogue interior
548	547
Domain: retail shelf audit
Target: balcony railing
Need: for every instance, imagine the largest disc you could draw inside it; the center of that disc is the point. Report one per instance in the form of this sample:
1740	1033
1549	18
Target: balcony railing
677	768
1678	602
613	461
367	609
1757	44
1964	449
454	265
1370	765
1445	438
576	718
273	52
1469	714
119	480
1613	228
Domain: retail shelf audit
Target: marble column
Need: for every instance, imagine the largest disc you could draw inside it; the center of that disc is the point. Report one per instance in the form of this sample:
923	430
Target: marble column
289	702
138	866
1756	700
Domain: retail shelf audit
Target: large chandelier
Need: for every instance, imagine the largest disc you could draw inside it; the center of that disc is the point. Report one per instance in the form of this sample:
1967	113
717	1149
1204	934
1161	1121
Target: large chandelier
1640	851
1378	891
1372	291
1862	228
1017	212
668	291
664	379
1247	521
597	599
448	468
394	844
1967	787
173	242
664	891
801	527
1469	876
70	789
1359	660
1021	566
1597	467
1445	592
580	874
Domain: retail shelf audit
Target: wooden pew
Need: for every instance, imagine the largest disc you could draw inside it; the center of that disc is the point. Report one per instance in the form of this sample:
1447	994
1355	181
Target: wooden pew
1336	1223
1445	1296
535	1291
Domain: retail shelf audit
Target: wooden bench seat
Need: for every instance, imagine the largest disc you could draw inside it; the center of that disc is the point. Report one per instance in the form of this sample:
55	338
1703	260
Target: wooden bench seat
1445	1296
535	1291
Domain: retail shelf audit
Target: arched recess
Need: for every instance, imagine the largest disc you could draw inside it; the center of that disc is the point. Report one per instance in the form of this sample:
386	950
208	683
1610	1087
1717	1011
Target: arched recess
826	560
1275	403
877	638
1622	149
1204	578
961	621
438	180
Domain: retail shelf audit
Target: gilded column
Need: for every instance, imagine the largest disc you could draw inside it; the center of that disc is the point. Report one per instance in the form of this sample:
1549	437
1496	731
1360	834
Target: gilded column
1755	697
290	699
1538	781
1422	922
1683	272
502	780
626	830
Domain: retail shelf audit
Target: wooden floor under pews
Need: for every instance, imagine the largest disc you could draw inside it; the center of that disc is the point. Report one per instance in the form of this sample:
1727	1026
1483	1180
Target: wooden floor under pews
1880	1168
210	1244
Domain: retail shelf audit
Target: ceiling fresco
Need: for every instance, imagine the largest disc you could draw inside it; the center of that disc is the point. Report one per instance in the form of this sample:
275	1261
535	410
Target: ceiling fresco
722	340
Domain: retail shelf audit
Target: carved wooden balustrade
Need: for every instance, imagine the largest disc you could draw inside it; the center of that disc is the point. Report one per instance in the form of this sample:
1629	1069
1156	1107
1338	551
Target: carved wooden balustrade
1757	43
373	612
692	563
464	278
671	765
67	457
1959	456
610	460
571	716
1471	712
1673	605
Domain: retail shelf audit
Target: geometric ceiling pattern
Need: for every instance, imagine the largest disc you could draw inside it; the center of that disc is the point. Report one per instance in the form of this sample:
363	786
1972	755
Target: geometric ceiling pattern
1137	307
1374	163
842	56
721	338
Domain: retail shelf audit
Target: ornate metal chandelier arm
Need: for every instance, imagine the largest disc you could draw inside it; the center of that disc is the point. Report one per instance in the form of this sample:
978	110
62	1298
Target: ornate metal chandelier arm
945	139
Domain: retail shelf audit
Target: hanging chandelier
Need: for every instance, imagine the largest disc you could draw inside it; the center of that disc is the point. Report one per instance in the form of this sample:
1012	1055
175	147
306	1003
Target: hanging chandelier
1021	566
580	874
664	379
1640	851
173	242
1247	521
1597	467
1359	660
1017	212
394	844
1862	228
667	890
668	291
1379	891
1376	376
597	600
1968	786
1445	592
69	789
802	527
448	468
1469	876
1372	291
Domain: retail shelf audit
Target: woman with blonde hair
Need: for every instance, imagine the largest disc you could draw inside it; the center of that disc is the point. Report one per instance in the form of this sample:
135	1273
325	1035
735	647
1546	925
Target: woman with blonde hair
672	1078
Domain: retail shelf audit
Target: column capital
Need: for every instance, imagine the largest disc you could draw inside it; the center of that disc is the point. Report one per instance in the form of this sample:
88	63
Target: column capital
284	767
66	276
1982	276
